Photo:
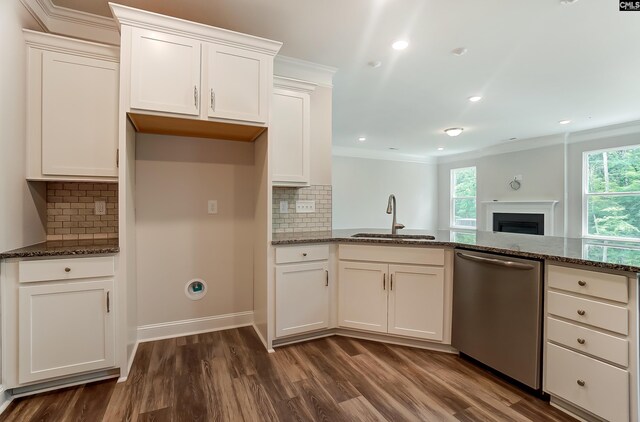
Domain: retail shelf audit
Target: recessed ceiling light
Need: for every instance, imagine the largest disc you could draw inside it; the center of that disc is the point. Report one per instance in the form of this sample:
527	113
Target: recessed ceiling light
453	131
566	2
513	139
393	149
400	45
475	98
460	51
564	122
375	64
362	139
440	149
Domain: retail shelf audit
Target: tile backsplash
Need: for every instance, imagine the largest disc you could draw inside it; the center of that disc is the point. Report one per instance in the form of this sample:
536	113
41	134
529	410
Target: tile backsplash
71	211
302	222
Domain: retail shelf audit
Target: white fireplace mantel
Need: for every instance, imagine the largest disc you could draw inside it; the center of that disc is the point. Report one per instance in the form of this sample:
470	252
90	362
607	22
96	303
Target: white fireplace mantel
546	208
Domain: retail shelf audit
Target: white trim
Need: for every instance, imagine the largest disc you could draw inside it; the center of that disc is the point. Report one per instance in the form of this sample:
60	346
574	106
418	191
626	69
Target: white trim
291	84
189	327
67	45
5	399
371	154
264	342
304	70
74	23
545	207
168	24
130	362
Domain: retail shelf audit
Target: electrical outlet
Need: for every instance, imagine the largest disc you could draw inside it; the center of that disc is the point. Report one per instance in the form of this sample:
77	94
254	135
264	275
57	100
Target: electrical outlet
284	207
305	206
212	206
100	208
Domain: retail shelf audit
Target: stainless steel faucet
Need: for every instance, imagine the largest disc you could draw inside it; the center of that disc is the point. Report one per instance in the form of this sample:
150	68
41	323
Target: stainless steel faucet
391	208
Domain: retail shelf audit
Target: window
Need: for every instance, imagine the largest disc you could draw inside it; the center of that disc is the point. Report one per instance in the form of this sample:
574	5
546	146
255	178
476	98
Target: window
611	194
629	254
463	197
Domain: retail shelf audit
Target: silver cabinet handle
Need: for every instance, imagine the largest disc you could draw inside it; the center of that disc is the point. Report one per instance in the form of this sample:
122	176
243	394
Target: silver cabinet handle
581	312
581	383
510	264
327	279
108	301
213	100
67	270
581	341
195	96
582	283
391	284
384	281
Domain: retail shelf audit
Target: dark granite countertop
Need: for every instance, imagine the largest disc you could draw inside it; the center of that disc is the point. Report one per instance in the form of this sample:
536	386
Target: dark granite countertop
622	256
64	248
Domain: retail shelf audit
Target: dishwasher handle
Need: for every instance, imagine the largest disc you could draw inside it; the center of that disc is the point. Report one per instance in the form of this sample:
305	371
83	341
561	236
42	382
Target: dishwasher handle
493	261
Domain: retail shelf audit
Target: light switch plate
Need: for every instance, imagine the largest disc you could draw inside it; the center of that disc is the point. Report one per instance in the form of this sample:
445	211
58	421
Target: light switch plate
305	206
284	207
212	206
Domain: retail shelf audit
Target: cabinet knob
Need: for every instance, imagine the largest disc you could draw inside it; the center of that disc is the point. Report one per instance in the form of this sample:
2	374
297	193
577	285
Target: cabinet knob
67	270
304	254
581	383
582	283
581	312
581	341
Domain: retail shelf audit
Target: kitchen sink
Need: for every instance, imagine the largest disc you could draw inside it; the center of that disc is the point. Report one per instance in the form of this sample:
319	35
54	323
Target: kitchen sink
395	236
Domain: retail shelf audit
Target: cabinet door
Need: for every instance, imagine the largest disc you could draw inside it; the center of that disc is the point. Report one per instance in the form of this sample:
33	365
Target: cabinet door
79	115
302	298
416	301
165	72
289	129
362	301
238	84
65	329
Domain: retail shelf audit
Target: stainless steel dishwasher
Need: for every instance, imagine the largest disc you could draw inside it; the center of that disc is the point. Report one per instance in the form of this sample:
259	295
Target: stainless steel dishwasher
497	313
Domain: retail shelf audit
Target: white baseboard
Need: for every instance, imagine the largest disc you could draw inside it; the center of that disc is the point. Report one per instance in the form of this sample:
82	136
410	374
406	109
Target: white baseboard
189	327
5	399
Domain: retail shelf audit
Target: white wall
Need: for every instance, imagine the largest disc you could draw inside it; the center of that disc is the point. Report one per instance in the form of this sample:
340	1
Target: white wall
542	171
20	222
361	188
177	240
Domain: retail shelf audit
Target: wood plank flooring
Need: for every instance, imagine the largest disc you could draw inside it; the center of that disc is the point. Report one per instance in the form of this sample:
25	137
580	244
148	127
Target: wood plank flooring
228	376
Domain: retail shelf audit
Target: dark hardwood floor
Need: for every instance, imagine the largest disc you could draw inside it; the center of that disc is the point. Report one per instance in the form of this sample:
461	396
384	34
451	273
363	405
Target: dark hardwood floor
228	376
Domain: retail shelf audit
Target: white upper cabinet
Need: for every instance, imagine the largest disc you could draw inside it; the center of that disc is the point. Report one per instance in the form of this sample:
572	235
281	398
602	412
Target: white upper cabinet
165	72
72	101
184	69
238	84
290	130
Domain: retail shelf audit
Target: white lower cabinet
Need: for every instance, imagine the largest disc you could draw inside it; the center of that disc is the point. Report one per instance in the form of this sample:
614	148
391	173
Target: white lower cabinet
302	289
302	298
405	300
591	345
65	329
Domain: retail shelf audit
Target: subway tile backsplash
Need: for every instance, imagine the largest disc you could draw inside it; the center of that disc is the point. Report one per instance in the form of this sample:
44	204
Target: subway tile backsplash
303	222
71	211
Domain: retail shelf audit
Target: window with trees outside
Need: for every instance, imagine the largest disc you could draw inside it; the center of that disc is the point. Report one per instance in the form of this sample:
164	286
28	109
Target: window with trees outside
611	194
463	198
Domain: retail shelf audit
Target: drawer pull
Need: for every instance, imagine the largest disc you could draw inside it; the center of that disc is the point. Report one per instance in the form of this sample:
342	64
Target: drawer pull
67	270
581	312
582	283
581	383
304	254
581	341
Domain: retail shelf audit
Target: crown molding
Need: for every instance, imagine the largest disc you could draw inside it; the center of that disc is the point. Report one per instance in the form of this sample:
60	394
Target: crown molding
371	154
51	42
293	84
290	67
74	23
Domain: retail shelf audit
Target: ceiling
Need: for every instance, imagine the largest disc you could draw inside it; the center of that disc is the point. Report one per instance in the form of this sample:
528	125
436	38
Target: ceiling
534	62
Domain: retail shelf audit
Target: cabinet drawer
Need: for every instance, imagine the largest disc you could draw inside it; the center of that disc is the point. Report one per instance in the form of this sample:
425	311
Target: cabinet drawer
604	346
392	254
302	253
591	312
592	283
605	389
65	269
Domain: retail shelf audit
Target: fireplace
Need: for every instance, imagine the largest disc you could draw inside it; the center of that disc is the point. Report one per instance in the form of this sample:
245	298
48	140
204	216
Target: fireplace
544	208
525	223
